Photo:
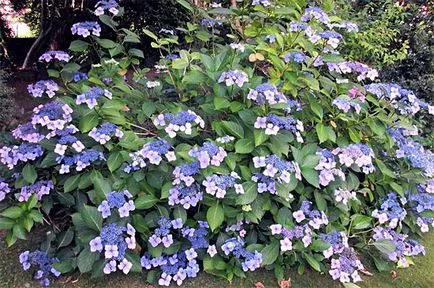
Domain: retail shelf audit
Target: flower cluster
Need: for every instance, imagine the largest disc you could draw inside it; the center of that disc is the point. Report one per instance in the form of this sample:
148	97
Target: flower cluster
238	47
197	236
347	265
363	70
91	96
403	247
418	156
105	132
359	154
4	189
303	232
210	23
117	200
48	87
232	77
403	100
391	210
316	218
55	55
346	104
217	185
297	57
343	195
275	169
43	263
162	234
250	261
266	93
208	154
86	28
40	188
264	3
79	76
313	220
187	196
183	122
66	138
315	13
11	156
273	124
111	5
113	241
420	203
184	173
53	115
80	160
225	139
152	152
28	133
176	267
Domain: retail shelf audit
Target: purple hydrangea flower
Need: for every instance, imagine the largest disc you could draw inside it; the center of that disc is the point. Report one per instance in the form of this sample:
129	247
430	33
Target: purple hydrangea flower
43	263
53	115
232	77
111	5
91	96
105	132
208	154
40	188
48	87
55	55
11	156
183	122
266	93
86	28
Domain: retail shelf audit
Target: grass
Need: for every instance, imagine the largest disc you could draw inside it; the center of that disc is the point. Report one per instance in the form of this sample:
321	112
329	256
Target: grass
418	276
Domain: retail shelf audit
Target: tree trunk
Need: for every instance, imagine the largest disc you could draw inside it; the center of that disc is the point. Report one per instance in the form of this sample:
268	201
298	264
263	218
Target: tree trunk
44	32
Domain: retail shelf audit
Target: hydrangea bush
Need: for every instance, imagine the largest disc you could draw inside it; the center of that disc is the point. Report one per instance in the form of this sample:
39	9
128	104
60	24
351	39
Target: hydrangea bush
263	147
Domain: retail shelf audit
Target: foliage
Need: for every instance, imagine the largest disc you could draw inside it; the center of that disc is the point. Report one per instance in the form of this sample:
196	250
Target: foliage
271	151
8	107
380	41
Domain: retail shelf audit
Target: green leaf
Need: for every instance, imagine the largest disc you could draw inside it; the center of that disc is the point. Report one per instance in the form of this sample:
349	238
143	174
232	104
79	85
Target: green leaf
244	146
215	216
19	232
6	223
384	169
13	212
88	121
114	161
185	4
78	46
259	136
361	221
311	176
311	161
71	183
86	259
106	43
317	109
319	245
91	217
312	262
221	103
320	201
322	133
233	128
270	253
350	285
354	135
29	173
65	238
145	202
384	246
250	193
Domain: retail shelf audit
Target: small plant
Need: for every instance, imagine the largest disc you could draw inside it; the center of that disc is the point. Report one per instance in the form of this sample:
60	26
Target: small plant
271	152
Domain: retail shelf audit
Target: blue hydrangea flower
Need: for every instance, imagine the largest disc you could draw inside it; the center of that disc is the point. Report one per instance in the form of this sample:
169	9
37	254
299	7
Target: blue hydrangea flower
11	156
234	77
86	28
38	89
111	5
43	264
117	200
183	122
91	96
55	55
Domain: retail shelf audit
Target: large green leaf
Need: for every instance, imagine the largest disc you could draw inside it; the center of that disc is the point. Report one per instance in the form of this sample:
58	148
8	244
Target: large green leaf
86	259
233	128
250	193
145	201
244	146
91	217
215	216
270	253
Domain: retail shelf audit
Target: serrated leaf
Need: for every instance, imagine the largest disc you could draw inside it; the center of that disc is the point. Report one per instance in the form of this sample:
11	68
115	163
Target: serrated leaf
91	217
270	253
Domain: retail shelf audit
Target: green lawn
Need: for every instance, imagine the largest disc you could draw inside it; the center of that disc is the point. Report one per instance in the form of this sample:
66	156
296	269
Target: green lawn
419	276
